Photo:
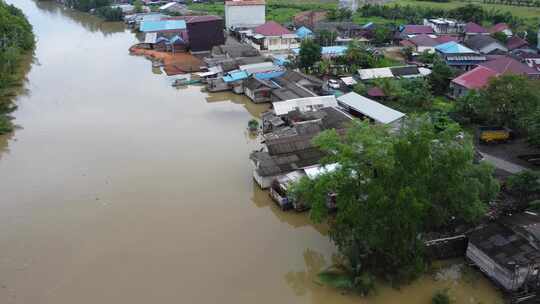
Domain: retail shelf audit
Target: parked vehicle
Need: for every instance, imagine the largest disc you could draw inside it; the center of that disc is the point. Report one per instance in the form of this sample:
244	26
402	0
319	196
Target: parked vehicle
334	84
494	134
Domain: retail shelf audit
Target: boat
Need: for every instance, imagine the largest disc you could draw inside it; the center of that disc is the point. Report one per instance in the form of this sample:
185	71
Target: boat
185	80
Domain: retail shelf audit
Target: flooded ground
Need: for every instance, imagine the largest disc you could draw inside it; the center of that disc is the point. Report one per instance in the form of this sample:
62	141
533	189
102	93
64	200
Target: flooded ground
118	188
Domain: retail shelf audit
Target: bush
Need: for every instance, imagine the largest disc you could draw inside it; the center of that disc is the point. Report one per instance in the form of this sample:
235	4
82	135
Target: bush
441	297
110	14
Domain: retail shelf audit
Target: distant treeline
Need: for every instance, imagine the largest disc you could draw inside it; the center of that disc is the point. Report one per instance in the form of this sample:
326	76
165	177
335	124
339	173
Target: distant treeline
16	40
415	14
100	7
529	3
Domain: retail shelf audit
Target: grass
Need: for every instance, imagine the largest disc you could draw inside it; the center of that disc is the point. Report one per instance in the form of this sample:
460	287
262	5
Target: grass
518	11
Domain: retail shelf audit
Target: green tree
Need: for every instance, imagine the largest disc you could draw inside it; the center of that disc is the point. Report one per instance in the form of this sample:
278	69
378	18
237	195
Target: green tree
310	53
360	88
508	99
501	37
525	185
394	187
326	37
440	77
532	126
357	55
138	6
382	35
16	40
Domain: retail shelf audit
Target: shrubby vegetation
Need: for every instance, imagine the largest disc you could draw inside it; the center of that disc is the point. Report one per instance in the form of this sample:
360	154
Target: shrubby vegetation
16	40
87	5
392	188
109	14
509	100
415	14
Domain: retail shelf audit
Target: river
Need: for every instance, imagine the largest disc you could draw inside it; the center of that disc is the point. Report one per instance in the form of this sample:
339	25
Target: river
118	188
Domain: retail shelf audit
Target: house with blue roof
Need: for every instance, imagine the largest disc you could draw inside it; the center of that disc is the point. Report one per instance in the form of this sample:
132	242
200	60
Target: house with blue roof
162	26
459	56
304	33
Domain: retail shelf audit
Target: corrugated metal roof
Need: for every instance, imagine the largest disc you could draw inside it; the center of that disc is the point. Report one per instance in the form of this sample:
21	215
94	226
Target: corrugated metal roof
366	74
235	76
167	6
453	47
476	78
162	25
304	104
370	108
259	67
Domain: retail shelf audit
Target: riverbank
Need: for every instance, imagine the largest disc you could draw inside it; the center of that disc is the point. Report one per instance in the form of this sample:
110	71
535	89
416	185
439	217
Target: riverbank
16	46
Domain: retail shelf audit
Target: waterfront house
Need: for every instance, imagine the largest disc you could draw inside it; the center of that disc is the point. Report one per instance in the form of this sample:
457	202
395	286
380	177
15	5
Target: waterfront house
376	112
501	28
459	56
259	90
288	138
486	44
204	32
294	85
272	36
473	29
244	13
507	251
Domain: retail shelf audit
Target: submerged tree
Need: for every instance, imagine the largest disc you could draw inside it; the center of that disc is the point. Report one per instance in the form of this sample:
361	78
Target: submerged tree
393	187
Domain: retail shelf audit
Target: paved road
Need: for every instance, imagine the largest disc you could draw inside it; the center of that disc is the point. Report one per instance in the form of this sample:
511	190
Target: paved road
503	164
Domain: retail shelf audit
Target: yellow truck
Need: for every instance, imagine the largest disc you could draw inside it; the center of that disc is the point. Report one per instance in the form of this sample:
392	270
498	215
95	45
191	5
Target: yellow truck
494	134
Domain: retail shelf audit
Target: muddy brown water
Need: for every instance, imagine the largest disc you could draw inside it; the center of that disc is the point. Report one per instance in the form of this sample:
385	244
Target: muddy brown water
118	188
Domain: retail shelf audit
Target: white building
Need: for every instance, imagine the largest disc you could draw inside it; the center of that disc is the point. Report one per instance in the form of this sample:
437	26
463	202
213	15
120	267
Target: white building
272	36
244	13
365	107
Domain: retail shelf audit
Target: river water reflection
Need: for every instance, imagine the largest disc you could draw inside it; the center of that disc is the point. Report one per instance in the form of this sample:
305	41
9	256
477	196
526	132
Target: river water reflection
120	189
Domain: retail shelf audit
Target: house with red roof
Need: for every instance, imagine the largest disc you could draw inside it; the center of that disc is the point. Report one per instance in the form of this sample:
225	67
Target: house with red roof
501	28
472	29
272	36
420	43
509	66
515	43
475	79
411	30
478	77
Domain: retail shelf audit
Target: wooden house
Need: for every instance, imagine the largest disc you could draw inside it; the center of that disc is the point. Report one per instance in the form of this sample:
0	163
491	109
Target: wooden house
507	251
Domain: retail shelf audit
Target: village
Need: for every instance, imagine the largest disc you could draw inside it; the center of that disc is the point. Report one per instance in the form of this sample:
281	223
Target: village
318	74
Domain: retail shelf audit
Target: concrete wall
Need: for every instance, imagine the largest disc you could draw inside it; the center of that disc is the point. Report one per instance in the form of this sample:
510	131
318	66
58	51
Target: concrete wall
244	16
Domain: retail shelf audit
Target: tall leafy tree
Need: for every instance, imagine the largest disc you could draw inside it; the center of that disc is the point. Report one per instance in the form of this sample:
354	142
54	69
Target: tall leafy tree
310	53
440	77
394	187
508	99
